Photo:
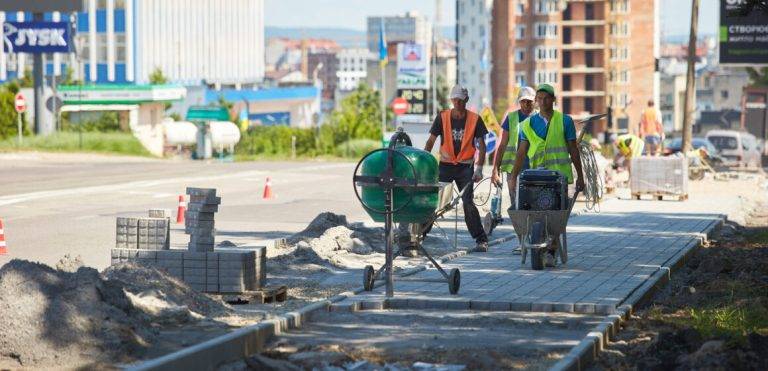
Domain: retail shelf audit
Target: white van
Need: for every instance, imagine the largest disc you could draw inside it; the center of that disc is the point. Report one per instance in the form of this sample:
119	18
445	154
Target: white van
738	148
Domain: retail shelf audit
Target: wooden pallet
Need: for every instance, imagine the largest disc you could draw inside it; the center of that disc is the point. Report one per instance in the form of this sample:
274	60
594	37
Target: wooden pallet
267	294
660	196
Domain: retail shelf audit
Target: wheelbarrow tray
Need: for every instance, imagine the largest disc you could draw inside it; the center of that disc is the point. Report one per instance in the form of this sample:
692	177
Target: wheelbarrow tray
554	220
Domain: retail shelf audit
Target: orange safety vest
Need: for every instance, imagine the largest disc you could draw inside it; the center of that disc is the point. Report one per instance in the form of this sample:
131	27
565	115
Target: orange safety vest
649	121
467	152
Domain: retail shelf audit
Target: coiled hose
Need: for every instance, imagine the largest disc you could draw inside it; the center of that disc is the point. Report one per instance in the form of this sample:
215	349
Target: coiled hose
593	180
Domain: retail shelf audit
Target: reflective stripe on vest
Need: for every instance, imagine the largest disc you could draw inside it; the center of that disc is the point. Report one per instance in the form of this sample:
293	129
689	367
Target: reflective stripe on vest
467	151
510	152
550	152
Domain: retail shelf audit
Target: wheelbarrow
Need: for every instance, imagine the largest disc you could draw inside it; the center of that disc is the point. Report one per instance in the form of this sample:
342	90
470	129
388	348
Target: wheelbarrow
542	231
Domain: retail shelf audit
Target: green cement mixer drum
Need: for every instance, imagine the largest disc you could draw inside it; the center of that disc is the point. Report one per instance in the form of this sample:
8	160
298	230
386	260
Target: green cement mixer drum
424	200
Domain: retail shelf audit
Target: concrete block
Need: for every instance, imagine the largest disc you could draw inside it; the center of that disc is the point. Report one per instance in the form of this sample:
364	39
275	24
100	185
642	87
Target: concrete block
170	263
194	215
231	281
519	306
199	247
209	287
541	307
194	280
227	265
212	256
237	255
203	208
170	254
499	306
158	213
479	305
202	224
147	255
194	264
114	253
205	240
563	307
605	308
205	199
200	231
194	255
457	305
194	271
231	288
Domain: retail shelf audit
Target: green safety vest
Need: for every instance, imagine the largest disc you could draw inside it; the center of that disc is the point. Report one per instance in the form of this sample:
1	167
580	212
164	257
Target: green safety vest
630	145
552	151
510	151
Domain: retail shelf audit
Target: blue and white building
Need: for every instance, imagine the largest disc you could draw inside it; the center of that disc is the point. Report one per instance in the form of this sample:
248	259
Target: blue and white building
217	42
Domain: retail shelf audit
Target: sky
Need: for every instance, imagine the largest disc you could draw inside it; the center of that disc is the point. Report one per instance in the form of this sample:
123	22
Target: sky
675	15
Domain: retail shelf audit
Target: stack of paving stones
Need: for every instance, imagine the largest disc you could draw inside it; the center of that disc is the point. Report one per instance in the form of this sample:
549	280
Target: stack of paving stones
199	221
203	269
143	233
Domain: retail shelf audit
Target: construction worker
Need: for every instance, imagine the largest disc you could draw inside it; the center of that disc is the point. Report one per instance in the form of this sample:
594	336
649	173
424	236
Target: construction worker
548	139
459	129
629	146
505	156
651	129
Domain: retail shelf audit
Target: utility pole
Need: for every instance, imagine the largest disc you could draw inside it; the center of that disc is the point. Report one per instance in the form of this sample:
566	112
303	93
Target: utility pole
435	38
690	83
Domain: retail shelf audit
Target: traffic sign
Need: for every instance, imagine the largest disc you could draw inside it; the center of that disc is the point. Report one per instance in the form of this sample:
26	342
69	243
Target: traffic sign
491	141
399	106
20	103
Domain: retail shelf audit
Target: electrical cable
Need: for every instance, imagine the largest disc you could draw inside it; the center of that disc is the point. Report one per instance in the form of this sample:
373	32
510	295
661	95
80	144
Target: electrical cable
593	180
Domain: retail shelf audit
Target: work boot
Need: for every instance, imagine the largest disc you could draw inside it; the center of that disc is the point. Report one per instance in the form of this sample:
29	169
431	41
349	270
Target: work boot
549	260
481	247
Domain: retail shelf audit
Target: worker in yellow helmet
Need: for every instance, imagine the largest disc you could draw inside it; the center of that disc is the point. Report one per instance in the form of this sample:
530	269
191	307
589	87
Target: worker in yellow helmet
629	146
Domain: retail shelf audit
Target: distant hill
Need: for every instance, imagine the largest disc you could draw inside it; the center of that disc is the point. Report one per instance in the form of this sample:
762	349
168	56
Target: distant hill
346	37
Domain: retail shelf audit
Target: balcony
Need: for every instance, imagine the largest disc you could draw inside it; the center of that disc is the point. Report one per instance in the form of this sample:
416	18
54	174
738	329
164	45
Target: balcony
583	46
582	69
583	22
582	93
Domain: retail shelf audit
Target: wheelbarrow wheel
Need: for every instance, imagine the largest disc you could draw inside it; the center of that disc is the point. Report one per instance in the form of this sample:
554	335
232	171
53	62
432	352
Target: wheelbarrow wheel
454	281
368	273
537	236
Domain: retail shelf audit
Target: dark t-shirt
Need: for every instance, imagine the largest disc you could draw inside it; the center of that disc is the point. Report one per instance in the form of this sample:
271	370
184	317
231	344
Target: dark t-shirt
457	130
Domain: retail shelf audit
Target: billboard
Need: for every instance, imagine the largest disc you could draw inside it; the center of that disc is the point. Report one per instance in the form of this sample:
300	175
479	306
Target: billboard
743	33
412	66
41	6
36	37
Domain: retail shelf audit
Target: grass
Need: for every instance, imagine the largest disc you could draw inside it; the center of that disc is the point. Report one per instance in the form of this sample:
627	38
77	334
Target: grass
731	321
95	142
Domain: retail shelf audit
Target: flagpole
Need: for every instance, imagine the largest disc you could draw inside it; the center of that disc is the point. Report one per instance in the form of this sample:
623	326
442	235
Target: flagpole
383	100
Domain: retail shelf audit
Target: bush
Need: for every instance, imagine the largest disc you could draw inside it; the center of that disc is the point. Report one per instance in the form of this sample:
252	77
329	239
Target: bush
356	148
276	140
8	115
108	121
114	143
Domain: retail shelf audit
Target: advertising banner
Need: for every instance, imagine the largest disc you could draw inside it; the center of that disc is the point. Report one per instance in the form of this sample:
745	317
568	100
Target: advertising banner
412	66
743	34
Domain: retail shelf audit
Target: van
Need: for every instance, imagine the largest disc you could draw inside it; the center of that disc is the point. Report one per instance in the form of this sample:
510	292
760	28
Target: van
738	148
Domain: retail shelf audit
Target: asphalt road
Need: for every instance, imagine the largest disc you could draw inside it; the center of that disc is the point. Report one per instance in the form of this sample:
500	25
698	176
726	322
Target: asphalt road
54	205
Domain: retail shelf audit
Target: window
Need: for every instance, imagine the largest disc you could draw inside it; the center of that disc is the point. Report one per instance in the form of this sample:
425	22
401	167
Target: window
546	6
520	8
566	58
589	83
619	6
546	30
544	76
589	35
544	53
624	77
724	94
619	53
566	82
622	99
520	78
588	104
520	32
620	29
566	105
519	55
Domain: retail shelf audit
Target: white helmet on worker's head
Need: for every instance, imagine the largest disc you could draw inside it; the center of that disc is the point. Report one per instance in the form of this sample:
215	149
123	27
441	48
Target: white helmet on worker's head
527	93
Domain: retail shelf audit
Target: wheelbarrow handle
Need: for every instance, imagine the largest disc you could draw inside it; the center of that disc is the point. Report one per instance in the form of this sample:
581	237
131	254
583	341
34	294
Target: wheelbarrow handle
575	196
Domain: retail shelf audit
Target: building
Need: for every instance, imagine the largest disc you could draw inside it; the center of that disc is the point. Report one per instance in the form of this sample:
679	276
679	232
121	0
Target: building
474	58
323	68
672	95
589	50
353	67
124	41
411	27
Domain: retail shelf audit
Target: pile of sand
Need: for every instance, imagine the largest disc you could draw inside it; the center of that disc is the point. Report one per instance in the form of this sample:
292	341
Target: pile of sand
75	317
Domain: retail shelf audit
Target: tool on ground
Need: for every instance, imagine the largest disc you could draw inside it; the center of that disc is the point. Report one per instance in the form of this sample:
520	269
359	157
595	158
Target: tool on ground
180	210
399	183
541	215
3	247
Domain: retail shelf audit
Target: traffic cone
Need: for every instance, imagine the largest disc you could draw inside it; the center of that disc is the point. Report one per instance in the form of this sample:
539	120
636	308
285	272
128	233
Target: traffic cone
3	249
180	212
268	189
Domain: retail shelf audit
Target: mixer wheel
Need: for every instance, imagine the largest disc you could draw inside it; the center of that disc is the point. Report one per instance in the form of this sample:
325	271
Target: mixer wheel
368	273
454	281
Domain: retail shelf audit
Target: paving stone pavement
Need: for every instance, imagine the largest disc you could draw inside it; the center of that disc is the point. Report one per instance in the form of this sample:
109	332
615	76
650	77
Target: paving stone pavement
611	254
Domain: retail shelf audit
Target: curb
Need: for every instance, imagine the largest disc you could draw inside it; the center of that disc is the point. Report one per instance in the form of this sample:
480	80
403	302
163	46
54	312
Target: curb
583	354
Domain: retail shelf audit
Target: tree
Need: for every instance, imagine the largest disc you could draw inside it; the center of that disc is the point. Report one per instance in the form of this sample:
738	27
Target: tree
443	103
358	117
8	118
758	77
157	77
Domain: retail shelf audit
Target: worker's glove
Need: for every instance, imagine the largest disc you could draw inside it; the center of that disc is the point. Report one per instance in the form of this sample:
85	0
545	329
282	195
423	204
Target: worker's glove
478	176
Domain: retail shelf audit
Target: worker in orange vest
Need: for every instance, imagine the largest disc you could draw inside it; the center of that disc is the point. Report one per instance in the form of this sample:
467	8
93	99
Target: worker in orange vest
651	129
459	129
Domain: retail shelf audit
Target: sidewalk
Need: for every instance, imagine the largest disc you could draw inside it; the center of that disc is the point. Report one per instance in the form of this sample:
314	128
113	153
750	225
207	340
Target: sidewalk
611	254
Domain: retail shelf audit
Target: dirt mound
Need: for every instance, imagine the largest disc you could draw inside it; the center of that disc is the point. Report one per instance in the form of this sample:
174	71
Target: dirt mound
57	318
318	226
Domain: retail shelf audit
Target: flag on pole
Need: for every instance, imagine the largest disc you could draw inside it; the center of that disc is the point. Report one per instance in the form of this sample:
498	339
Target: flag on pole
382	45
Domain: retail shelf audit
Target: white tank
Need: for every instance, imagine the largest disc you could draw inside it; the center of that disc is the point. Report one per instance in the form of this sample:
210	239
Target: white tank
179	133
223	133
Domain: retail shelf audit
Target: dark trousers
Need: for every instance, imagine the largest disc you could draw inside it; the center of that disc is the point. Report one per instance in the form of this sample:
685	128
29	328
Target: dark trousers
462	175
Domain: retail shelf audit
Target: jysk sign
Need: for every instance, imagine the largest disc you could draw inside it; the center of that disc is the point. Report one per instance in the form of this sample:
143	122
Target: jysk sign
36	37
743	37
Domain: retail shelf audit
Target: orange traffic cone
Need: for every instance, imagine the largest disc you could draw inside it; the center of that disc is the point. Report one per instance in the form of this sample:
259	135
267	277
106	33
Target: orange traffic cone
268	189
3	249
180	211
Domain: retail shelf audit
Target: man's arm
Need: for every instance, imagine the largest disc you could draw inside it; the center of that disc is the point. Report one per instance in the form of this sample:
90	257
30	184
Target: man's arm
573	150
430	143
522	151
478	175
500	151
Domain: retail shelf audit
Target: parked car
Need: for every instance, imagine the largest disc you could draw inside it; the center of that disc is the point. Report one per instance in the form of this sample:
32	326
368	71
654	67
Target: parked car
738	148
673	145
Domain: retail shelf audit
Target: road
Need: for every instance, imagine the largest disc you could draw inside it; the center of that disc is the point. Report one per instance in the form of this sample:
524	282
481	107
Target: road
54	205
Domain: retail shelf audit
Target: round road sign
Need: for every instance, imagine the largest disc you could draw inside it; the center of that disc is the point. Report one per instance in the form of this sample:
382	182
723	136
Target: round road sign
20	103
399	106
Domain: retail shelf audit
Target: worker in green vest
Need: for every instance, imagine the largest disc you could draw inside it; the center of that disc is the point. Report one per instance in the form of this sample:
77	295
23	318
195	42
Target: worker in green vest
505	156
629	146
548	139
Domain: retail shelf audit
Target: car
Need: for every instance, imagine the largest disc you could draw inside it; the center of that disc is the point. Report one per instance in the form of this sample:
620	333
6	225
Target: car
673	145
738	148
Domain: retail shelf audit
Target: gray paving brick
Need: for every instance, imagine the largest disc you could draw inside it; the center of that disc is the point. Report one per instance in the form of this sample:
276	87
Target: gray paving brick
195	191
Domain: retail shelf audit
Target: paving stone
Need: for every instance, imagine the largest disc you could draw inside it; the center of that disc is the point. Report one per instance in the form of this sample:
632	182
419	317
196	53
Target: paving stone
207	192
